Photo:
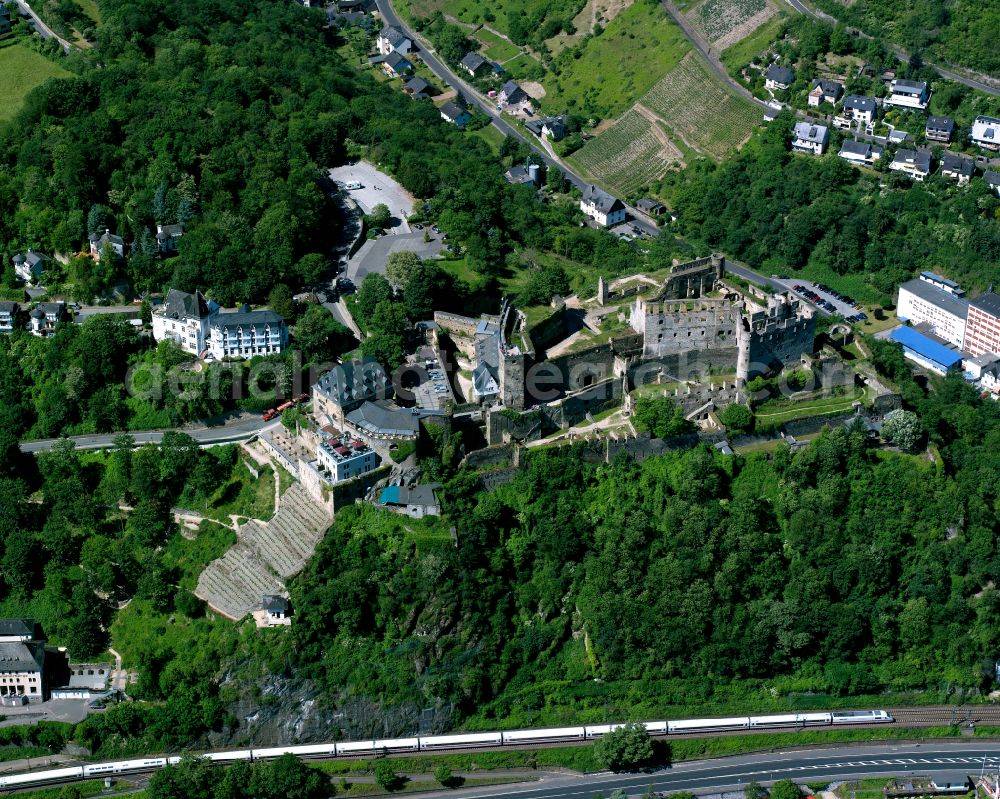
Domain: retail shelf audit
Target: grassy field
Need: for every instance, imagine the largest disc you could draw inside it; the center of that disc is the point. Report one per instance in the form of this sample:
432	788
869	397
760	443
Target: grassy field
22	71
617	67
743	51
491	135
497	48
627	156
522	66
783	410
700	111
191	555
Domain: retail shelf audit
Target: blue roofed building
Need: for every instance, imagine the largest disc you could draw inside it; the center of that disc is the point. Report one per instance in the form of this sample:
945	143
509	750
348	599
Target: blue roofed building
415	501
925	351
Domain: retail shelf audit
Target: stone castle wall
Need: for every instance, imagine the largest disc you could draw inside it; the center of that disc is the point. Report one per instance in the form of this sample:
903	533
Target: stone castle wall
676	326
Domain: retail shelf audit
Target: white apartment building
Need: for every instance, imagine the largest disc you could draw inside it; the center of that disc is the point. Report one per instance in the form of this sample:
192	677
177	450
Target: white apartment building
924	301
199	327
245	333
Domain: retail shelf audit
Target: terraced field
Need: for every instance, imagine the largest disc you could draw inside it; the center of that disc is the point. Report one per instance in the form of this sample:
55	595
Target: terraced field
725	22
700	111
629	155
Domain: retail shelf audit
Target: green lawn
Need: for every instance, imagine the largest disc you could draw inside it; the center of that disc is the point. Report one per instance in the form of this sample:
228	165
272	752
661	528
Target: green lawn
783	410
491	135
614	69
91	10
497	48
522	66
744	50
22	71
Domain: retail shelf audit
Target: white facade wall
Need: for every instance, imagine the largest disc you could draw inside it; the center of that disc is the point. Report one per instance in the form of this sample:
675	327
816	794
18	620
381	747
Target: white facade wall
947	325
189	334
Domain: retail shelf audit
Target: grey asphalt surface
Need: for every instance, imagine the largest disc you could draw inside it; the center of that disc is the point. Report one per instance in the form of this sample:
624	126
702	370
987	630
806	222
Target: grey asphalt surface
783	284
940	760
901	54
241	429
375	252
43	30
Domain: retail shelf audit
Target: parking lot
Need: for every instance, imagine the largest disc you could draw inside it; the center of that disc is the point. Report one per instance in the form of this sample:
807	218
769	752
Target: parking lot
376	187
374	253
820	296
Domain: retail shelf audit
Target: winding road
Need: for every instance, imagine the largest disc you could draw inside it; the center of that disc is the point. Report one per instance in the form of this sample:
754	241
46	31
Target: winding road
241	428
473	98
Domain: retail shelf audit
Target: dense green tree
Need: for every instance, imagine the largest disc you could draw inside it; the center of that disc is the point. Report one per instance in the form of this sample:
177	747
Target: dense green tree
400	266
373	290
736	418
319	335
785	789
903	429
625	748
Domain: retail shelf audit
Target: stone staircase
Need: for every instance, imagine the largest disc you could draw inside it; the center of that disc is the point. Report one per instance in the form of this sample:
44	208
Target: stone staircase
264	555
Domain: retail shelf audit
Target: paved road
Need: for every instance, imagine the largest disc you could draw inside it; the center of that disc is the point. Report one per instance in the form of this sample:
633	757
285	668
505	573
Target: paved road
941	760
899	52
43	30
240	429
705	48
787	284
473	98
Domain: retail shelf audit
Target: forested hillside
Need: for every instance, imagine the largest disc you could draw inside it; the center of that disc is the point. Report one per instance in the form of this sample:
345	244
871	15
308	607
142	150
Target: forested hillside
585	591
950	31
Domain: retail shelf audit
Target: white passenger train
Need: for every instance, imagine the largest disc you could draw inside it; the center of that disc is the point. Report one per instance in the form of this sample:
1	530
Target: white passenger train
426	743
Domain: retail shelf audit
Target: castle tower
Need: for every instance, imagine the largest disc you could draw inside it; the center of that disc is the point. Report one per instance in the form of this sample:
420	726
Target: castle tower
743	336
511	374
603	295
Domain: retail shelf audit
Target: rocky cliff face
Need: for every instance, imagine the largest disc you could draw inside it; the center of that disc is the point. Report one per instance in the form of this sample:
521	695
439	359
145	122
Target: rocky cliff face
277	709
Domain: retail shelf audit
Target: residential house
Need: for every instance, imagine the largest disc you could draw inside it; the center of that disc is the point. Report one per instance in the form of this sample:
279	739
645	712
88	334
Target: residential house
524	174
415	501
554	128
810	138
512	94
395	65
167	236
385	421
939	129
417	88
393	39
473	63
5	24
343	458
955	167
651	207
925	301
454	113
245	333
861	153
184	319
348	386
106	239
46	316
982	327
908	94
274	611
22	662
984	371
8	315
600	206
825	91
30	266
986	132
898	137
856	109
778	77
915	163
993	181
